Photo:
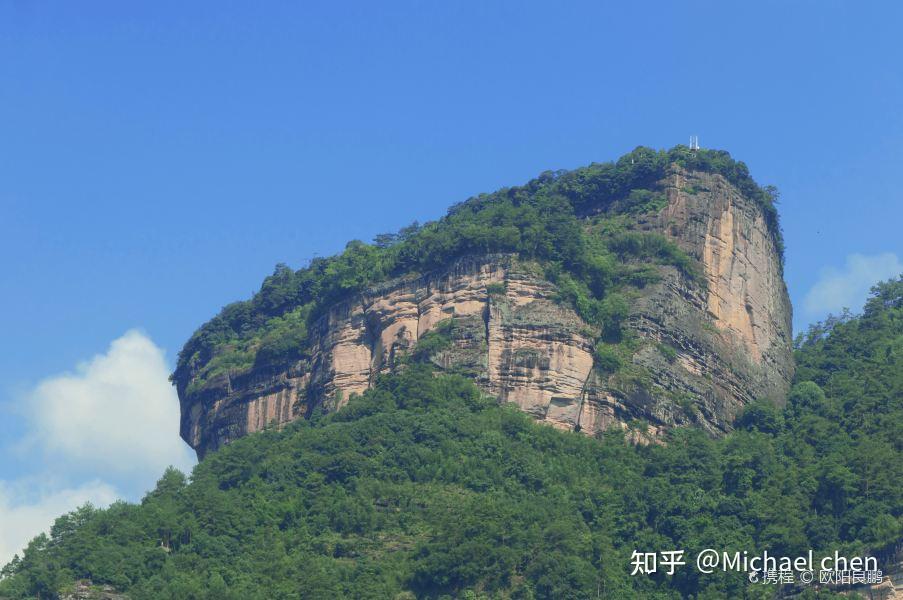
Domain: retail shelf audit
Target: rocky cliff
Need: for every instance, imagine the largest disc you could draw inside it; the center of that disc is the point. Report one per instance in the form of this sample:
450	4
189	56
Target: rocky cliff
701	347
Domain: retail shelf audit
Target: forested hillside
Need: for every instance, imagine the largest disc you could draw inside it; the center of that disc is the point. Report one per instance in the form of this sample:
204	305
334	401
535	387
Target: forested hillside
424	487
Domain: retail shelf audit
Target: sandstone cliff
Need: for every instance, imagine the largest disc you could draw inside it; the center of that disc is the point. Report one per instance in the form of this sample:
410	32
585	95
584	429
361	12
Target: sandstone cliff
704	348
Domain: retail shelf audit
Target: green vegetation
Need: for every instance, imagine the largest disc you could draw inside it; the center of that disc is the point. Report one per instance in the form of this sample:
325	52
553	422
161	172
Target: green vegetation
423	487
668	352
496	289
645	201
437	339
575	224
851	415
606	359
690	190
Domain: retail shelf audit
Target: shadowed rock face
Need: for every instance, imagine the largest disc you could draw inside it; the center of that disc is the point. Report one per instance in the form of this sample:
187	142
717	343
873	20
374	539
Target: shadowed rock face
731	337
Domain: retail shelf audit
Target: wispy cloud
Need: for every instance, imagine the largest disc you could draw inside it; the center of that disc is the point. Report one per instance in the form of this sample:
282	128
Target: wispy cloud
105	430
848	286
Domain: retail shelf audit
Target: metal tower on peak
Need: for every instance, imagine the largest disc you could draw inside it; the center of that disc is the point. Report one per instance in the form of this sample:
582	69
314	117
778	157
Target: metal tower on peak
694	142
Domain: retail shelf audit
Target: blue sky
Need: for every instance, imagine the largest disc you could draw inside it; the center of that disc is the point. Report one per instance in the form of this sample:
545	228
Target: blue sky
157	161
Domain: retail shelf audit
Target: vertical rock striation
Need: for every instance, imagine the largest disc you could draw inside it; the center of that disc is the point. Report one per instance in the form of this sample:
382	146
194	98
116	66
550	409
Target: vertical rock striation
729	337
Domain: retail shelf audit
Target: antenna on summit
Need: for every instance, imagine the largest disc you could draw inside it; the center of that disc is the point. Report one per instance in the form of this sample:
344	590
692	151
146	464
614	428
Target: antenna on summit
694	142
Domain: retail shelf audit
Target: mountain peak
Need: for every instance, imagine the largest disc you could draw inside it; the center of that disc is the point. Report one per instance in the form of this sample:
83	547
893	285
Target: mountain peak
641	294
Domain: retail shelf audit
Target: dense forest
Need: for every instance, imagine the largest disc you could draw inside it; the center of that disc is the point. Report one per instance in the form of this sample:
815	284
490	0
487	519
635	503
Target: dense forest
578	225
424	487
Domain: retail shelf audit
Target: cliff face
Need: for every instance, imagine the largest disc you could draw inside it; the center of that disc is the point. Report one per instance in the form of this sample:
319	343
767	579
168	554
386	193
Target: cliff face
732	336
518	344
729	338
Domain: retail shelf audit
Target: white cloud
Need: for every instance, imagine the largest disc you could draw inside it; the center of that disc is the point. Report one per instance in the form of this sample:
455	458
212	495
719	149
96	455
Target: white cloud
107	430
848	287
24	512
117	412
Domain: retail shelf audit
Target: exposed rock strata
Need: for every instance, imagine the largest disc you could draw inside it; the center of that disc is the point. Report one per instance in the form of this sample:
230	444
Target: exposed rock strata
731	336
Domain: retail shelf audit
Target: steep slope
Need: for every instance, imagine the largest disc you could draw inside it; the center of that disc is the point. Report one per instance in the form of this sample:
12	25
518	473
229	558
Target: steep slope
640	294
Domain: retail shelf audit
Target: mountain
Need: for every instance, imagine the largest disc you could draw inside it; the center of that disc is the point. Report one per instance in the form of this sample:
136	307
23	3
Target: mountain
425	487
644	294
355	446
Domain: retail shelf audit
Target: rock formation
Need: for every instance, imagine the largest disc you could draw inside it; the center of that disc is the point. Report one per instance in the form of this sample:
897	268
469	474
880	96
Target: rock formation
729	337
